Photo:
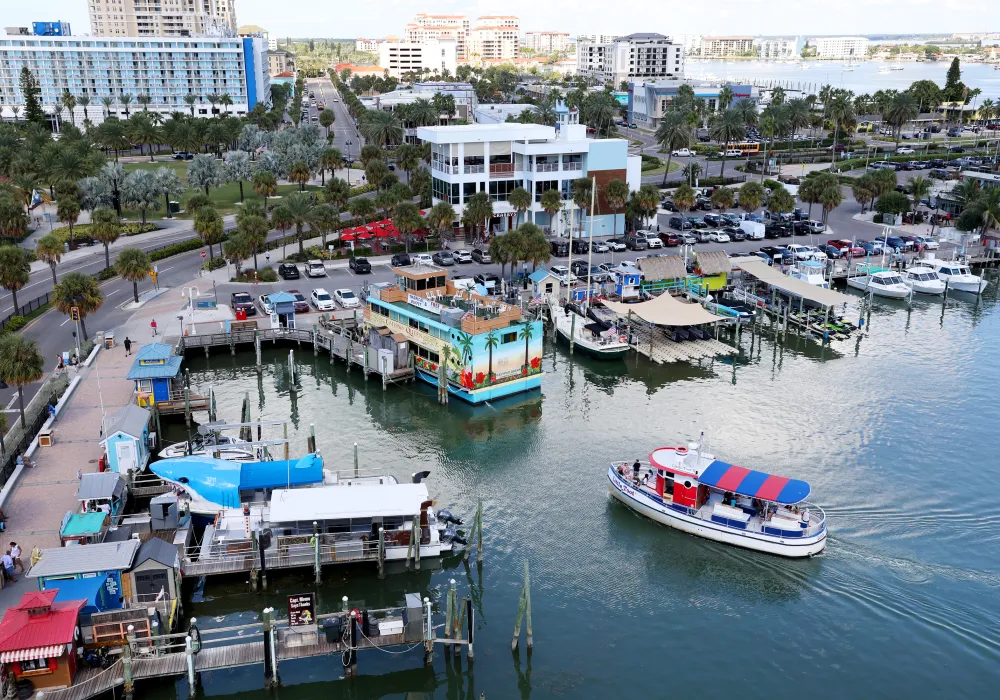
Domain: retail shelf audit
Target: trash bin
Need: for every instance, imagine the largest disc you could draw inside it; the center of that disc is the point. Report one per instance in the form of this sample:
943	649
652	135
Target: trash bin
173	208
109	341
333	628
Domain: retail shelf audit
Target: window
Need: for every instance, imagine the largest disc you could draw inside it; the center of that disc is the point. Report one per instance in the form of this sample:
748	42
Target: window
512	337
35	665
541	186
500	189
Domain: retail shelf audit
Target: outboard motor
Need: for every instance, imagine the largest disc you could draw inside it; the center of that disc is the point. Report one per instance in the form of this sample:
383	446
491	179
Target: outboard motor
450	534
445	516
418	477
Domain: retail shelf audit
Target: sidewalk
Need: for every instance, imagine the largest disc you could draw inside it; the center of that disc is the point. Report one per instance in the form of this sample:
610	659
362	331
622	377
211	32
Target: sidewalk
43	495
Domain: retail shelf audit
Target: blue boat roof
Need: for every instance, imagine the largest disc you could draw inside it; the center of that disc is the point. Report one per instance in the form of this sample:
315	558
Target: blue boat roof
754	484
221	481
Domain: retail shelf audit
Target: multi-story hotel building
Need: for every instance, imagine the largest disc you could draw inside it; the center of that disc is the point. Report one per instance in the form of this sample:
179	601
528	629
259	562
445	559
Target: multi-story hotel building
368	45
644	56
161	17
497	158
401	57
495	38
840	47
165	68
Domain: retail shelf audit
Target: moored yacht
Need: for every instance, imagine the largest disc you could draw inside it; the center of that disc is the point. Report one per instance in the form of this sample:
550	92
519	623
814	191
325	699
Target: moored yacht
878	281
923	280
688	489
957	275
591	335
223	446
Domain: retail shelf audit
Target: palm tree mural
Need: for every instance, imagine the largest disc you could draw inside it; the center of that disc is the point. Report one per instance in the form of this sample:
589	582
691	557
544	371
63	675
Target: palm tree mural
465	343
491	342
526	333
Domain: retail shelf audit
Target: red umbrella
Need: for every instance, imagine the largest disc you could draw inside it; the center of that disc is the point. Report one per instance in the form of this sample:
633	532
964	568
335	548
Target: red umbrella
384	222
347	235
364	236
382	233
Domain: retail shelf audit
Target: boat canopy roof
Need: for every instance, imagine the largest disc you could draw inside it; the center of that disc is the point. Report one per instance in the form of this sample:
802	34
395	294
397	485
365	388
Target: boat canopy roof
791	285
754	484
347	502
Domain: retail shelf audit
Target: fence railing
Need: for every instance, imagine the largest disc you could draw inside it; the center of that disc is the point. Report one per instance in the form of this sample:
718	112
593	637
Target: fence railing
25	309
36	413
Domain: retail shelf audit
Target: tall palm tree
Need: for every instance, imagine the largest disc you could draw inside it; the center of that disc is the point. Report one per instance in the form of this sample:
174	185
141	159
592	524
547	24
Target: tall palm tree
14	271
20	364
478	212
919	187
191	101
78	290
107	101
672	133
264	185
406	217
295	210
69	104
520	200
902	109
68	212
254	229
747	109
125	99
208	225
441	216
49	250
134	265
381	128
299	173
329	159
145	100
105	226
551	202
213	99
725	100
841	110
226	101
84	102
616	194
647	199
581	189
727	128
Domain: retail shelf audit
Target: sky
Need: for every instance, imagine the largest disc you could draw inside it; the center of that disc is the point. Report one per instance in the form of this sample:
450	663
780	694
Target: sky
376	18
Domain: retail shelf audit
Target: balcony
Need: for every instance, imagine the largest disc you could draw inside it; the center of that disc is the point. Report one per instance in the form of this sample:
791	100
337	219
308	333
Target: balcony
573	166
546	167
501	169
473	169
445	168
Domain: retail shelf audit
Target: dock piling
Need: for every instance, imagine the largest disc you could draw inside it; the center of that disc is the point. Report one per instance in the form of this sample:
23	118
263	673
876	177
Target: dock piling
381	552
189	657
415	537
315	339
256	347
315	543
263	564
127	661
476	533
428	633
524	609
449	620
311	440
572	331
470	622
343	604
355	460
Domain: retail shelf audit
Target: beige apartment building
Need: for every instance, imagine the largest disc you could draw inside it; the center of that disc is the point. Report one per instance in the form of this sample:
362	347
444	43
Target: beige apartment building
546	43
161	17
426	27
495	38
726	46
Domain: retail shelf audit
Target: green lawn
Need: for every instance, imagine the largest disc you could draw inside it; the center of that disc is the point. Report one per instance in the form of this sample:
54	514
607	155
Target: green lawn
225	198
674	165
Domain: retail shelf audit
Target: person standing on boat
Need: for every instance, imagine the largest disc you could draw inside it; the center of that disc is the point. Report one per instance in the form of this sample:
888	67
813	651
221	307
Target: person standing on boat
635	470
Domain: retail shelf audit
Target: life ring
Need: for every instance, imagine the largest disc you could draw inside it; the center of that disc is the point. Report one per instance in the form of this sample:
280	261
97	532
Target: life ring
681	450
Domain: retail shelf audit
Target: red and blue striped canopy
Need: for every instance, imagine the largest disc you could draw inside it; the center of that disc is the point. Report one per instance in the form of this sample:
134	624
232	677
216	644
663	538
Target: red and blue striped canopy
753	484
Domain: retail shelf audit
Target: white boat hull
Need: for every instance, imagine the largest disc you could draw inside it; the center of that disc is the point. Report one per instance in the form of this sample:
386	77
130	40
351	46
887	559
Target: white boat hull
582	340
770	544
975	285
928	287
896	291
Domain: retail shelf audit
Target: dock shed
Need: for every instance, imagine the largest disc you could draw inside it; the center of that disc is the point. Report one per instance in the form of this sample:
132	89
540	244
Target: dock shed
37	640
154	372
127	439
107	561
714	267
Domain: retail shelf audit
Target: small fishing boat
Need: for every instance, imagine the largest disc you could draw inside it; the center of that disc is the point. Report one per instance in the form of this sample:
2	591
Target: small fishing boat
895	68
923	280
878	281
811	271
226	447
591	335
957	275
688	489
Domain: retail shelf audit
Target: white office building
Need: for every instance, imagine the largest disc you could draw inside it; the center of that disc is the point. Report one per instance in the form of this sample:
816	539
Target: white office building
546	43
402	57
644	56
162	17
368	45
841	47
691	43
597	38
777	48
497	158
165	68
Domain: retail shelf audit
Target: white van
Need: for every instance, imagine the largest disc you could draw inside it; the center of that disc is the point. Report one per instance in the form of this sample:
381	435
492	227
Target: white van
315	268
753	229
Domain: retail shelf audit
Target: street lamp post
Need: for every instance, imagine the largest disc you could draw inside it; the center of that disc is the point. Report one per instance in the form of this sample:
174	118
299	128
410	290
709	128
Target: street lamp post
348	144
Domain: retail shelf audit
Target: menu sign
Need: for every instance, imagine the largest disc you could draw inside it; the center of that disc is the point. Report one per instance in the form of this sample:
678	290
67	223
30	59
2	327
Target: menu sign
302	609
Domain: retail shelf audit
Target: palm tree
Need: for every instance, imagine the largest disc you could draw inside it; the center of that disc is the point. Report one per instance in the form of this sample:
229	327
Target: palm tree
329	159
616	194
144	131
727	128
107	101
551	202
520	199
780	201
69	104
381	128
919	187
226	101
299	173
254	229
208	225
20	364
492	342
105	226
672	133
841	110
78	290
84	102
685	198
168	183
902	109
236	250
191	101
145	100
326	120
337	194
407	157
125	99
986	110
581	189
691	172
751	196
68	212
441	216
478	212
647	199
213	99
526	334
406	217
726	97
264	185
361	208
296	210
49	250
14	271
799	115
723	198
133	265
830	197
747	109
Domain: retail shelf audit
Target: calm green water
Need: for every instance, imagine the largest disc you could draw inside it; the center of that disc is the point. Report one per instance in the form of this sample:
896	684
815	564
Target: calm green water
895	432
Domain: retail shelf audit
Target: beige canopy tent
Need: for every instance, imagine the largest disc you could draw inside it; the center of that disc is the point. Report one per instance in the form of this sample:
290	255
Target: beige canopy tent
665	310
790	285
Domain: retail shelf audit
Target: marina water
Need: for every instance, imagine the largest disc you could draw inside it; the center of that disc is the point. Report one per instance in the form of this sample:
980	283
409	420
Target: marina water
894	430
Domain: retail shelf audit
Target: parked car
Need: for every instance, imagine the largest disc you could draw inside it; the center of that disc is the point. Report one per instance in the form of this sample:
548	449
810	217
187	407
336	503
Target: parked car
832	251
421	259
559	248
895	243
315	268
617	244
580	246
288	271
753	230
597	275
481	256
718	237
400	260
487	279
731	219
928	243
713	220
652	239
687	238
563	273
777	231
241	301
443	258
778	253
939	174
461	256
848	246
322	300
917	164
600	247
346	298
817	252
360	266
800	252
668	205
682	153
703	204
183	156
956	149
301	304
696	223
731	153
679	223
702	235
636	241
265	306
670	239
735	234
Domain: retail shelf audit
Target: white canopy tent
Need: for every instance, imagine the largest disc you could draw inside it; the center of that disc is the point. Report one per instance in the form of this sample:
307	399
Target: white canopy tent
665	310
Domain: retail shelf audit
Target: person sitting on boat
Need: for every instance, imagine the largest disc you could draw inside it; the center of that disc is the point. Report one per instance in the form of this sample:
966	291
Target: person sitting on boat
805	516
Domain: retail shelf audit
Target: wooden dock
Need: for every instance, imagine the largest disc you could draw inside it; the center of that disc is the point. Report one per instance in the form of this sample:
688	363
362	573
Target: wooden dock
652	343
337	340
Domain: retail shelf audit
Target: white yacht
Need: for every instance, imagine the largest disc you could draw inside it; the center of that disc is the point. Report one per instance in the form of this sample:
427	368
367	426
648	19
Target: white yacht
592	336
878	281
923	280
226	447
957	275
810	271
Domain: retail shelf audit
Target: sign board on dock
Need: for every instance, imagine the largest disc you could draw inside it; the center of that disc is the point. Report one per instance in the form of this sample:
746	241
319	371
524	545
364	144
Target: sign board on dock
302	609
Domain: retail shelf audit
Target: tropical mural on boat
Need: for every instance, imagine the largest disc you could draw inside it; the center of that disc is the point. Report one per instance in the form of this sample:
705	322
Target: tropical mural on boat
499	356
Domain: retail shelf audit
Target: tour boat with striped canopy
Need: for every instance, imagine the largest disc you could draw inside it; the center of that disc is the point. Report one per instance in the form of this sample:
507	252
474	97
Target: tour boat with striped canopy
689	489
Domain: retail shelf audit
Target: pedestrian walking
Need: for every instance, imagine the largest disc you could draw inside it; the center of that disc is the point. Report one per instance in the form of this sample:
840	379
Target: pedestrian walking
8	566
15	554
128	345
152	324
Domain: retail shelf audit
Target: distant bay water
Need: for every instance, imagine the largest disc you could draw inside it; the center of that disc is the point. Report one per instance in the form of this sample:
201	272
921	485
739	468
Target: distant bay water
860	77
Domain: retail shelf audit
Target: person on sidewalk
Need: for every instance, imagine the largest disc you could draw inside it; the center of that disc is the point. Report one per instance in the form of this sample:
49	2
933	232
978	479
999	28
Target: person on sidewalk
8	566
15	554
128	346
152	324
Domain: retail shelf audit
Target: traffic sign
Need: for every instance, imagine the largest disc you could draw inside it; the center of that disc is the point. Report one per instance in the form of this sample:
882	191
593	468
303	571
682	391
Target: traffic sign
203	255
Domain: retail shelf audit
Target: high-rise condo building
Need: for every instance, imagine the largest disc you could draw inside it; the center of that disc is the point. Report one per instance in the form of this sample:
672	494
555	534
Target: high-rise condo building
546	43
643	56
162	17
495	38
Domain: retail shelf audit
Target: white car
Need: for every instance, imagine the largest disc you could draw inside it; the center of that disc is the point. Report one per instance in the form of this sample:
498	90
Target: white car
731	153
652	240
346	298
315	268
563	273
322	300
817	253
800	252
600	247
931	244
905	151
682	153
617	245
718	237
265	306
421	259
462	256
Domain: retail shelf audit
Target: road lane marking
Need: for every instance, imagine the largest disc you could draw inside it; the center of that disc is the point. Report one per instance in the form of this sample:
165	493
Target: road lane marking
113	291
64	323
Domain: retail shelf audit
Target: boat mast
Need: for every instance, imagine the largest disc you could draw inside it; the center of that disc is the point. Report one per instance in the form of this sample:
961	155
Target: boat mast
590	244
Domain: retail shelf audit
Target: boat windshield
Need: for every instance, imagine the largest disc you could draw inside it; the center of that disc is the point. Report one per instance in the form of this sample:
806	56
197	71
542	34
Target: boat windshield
892	279
964	271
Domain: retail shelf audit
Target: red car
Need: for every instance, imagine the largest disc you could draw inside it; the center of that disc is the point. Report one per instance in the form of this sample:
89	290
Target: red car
301	303
670	239
845	246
